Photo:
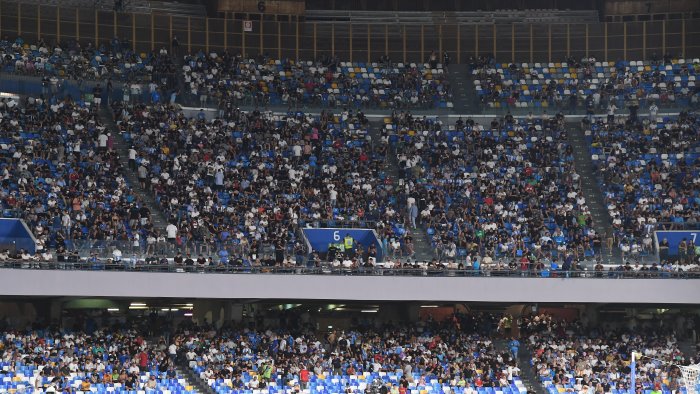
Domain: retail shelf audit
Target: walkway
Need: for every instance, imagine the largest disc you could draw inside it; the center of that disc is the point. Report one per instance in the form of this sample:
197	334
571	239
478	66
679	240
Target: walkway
122	147
591	189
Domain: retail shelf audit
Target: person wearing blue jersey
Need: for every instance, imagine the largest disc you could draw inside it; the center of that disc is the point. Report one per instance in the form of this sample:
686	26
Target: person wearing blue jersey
514	346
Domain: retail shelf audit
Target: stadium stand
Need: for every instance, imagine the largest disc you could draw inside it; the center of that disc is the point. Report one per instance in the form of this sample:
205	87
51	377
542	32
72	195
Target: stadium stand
72	361
213	78
552	228
570	357
423	357
114	61
588	83
173	162
61	174
649	169
243	183
500	191
462	353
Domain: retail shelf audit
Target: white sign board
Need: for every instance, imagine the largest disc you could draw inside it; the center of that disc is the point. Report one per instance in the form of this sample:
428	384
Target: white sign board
247	25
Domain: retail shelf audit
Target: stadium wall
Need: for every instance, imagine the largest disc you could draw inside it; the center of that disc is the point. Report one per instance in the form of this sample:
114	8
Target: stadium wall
19	282
15	235
360	42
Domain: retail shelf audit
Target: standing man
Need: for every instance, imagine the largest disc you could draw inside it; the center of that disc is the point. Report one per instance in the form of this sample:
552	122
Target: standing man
514	346
413	214
97	96
611	112
348	242
175	47
304	377
110	91
171	232
653	110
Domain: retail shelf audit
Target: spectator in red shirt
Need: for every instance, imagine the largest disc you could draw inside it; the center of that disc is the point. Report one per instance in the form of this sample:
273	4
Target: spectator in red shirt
304	378
143	361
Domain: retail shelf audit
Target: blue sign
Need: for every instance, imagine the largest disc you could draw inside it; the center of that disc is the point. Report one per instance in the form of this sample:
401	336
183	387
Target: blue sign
675	237
320	238
15	233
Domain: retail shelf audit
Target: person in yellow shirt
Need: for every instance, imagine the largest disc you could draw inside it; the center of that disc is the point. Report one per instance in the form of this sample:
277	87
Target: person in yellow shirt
349	243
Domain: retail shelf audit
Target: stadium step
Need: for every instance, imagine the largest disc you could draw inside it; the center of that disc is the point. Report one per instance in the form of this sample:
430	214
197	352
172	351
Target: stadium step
463	93
122	146
527	372
689	348
592	191
182	86
421	244
192	378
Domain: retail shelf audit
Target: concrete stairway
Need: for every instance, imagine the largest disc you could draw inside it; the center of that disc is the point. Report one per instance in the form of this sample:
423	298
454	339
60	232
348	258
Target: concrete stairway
193	379
462	89
527	373
421	243
591	188
688	347
122	147
180	86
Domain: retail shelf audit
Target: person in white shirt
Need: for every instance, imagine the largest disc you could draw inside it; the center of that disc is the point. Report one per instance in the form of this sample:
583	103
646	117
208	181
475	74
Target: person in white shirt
102	141
333	196
611	112
46	256
254	383
117	255
396	248
132	158
653	111
25	256
171	233
347	263
133	369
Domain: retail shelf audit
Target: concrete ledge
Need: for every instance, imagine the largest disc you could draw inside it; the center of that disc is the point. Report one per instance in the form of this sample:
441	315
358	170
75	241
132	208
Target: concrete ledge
19	282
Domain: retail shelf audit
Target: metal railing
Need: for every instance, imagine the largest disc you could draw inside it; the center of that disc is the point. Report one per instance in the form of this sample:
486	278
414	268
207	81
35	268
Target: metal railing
363	41
128	265
104	249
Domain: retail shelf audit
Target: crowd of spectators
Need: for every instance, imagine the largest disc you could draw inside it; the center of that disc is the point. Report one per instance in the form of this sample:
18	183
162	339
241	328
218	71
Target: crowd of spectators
456	353
649	168
586	83
219	78
241	184
215	79
115	60
570	356
238	186
65	361
61	174
507	190
459	353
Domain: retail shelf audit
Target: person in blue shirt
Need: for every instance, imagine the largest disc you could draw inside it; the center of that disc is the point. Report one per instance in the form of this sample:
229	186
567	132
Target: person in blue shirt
223	257
155	97
514	346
